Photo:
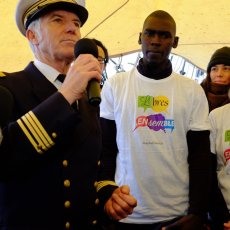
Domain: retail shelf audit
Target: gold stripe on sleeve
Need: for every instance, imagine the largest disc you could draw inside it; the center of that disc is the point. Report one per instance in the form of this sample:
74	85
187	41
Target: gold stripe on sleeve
41	128
34	131
30	138
104	183
39	135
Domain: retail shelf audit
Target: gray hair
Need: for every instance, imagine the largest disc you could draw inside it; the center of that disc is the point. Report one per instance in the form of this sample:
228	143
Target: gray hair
35	26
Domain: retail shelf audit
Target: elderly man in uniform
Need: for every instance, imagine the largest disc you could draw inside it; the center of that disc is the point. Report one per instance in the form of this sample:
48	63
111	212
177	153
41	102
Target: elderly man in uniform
50	150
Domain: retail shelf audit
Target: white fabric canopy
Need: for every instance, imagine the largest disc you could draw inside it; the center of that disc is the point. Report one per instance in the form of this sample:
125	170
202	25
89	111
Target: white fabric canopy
203	27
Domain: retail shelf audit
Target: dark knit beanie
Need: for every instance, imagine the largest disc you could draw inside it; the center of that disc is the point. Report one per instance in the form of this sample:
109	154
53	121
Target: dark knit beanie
220	56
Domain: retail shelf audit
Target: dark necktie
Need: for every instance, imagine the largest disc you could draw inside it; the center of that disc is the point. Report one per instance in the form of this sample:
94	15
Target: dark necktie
61	77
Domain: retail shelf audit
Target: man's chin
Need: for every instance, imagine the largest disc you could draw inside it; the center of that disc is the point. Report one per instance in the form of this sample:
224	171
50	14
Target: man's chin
153	61
154	55
68	51
68	57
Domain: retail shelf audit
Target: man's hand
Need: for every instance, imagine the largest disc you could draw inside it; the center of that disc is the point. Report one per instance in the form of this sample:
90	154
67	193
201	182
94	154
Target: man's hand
227	225
85	68
189	222
120	204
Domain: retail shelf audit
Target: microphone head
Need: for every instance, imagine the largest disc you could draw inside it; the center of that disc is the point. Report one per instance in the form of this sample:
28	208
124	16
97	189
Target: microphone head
88	46
85	46
6	105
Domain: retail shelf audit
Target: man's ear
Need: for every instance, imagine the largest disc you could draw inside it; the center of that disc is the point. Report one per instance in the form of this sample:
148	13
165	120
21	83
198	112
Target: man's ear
139	39
175	42
31	36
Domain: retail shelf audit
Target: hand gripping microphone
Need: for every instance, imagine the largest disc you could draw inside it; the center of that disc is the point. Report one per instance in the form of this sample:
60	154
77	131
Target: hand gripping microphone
87	46
6	105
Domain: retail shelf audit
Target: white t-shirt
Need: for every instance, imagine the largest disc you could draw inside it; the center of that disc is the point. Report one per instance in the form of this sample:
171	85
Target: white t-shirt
152	119
220	145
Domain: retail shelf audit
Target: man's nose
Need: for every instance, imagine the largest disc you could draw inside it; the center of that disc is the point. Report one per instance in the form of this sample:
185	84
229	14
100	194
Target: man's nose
155	39
71	27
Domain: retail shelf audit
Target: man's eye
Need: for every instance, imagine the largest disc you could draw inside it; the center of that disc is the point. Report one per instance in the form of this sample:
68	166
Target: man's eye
164	34
77	24
149	33
161	34
57	19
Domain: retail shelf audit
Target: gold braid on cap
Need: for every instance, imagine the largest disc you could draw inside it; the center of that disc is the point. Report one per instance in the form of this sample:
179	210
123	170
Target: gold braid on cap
40	4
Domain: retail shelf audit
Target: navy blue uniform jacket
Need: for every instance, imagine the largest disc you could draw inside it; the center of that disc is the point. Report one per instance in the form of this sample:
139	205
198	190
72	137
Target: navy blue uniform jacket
48	158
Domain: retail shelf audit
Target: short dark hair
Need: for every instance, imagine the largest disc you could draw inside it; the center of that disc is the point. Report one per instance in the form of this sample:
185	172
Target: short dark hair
100	44
162	15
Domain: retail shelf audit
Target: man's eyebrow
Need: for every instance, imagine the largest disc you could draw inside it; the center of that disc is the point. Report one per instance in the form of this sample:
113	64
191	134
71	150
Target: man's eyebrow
157	31
55	14
61	16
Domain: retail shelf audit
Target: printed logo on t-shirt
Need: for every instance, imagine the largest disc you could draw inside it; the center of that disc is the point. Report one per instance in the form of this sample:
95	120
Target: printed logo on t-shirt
227	155
227	151
158	120
227	136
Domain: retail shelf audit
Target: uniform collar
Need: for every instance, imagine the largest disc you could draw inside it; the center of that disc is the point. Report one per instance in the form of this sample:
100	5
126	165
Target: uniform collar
49	72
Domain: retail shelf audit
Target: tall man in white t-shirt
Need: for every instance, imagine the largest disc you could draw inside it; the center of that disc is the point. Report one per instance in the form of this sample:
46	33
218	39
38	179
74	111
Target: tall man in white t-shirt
156	150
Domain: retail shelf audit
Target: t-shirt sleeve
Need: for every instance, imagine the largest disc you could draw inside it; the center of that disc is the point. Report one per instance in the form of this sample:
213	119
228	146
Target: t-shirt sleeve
199	118
107	102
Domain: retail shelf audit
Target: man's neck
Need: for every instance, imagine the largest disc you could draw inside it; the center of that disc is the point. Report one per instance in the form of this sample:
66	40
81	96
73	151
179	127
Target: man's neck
155	71
61	66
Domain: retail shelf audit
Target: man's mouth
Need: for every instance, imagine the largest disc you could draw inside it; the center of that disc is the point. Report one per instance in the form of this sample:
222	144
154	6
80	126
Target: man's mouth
69	41
153	53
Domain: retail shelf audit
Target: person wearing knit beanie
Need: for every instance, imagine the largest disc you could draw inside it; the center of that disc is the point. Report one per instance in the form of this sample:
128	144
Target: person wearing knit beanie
216	86
217	82
220	56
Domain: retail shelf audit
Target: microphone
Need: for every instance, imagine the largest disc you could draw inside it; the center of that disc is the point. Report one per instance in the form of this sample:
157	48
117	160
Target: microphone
6	105
87	46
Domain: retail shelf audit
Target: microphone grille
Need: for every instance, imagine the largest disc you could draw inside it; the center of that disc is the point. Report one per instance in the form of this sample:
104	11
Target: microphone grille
85	46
